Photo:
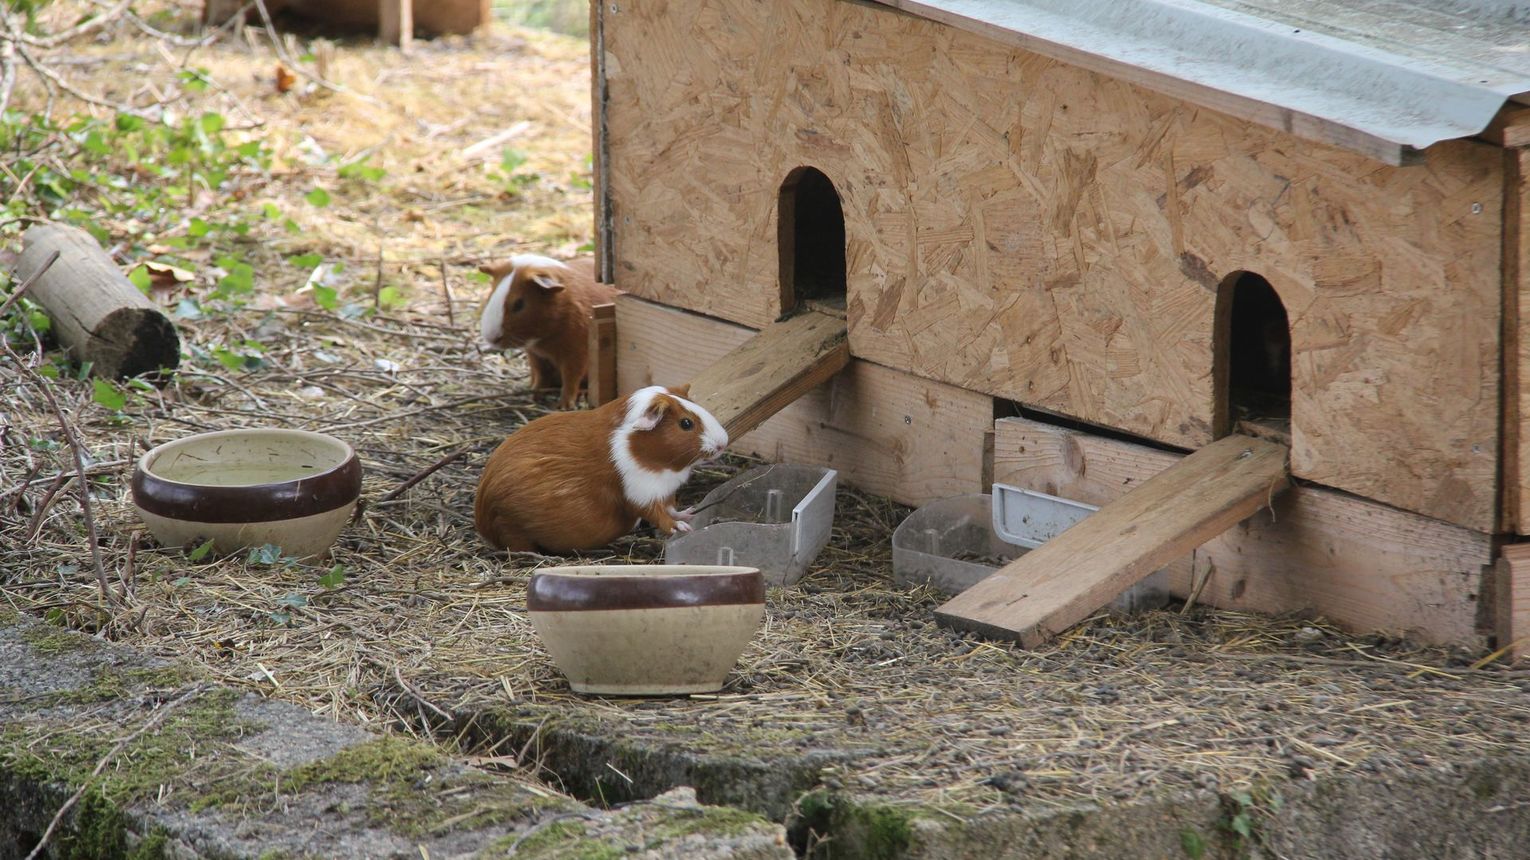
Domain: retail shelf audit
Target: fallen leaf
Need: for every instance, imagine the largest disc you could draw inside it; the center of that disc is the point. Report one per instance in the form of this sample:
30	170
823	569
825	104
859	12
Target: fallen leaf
162	271
285	80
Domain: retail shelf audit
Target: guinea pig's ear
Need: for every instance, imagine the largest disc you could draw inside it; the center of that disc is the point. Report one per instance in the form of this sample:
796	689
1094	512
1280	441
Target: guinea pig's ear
681	390
496	270
653	414
546	282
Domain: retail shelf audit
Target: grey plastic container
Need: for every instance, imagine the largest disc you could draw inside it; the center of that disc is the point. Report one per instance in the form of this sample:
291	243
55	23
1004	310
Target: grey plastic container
926	544
774	517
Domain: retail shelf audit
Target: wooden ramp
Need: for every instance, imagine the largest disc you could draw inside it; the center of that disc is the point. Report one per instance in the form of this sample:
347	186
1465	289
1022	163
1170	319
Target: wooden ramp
1062	582
767	372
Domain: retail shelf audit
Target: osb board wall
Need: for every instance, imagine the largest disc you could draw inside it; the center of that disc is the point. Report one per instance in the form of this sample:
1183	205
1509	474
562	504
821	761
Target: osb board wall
888	432
1355	562
1030	230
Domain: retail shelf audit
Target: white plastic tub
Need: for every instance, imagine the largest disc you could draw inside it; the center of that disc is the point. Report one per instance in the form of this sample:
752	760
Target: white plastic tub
776	518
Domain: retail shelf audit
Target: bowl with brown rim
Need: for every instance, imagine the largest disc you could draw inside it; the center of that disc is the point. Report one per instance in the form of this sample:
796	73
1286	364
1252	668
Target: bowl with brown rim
246	488
646	629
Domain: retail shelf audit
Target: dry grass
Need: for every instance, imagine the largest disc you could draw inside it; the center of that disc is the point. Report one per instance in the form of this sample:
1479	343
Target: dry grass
429	621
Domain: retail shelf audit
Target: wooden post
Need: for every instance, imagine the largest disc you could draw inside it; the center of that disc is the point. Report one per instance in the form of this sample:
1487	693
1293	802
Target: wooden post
97	313
602	363
395	23
1511	599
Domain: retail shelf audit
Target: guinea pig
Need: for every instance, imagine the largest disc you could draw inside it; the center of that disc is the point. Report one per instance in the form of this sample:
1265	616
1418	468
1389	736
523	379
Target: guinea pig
579	480
542	306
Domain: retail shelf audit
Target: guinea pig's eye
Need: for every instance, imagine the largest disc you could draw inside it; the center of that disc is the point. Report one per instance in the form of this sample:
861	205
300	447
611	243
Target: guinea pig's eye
515	308
686	423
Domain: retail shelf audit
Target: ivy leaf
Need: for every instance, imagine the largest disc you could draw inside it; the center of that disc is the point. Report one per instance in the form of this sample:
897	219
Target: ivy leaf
317	197
188	309
327	298
1192	843
268	553
140	279
194	80
306	261
359	169
1240	825
240	279
510	159
391	297
335	578
201	551
95	143
107	395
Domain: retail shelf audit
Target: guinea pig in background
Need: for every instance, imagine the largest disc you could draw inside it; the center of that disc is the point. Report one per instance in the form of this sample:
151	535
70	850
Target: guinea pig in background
542	306
579	480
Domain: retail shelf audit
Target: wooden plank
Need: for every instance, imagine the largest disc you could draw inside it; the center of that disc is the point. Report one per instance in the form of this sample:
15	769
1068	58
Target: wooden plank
887	432
1512	600
1510	128
1058	584
602	362
770	370
1357	563
1071	259
395	23
1516	342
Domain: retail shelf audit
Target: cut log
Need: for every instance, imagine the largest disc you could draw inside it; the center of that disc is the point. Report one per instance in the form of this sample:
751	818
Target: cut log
770	370
1062	582
97	313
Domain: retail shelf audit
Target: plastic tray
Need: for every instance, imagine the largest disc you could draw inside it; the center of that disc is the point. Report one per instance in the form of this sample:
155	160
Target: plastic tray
929	544
774	517
953	543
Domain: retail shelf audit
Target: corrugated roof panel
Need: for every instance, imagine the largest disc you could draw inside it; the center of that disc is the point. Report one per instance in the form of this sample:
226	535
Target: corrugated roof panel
1383	77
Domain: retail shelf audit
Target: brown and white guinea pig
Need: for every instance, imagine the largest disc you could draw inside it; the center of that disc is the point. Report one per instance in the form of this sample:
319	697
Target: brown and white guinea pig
579	480
542	306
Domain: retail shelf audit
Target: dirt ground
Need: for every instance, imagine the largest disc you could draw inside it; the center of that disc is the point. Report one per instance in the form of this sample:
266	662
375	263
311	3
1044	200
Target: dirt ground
414	619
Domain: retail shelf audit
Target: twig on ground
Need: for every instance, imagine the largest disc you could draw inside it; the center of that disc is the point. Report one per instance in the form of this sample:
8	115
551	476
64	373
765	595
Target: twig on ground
420	697
44	504
16	293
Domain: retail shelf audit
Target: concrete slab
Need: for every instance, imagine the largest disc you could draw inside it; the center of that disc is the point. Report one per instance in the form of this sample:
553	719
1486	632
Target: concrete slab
173	766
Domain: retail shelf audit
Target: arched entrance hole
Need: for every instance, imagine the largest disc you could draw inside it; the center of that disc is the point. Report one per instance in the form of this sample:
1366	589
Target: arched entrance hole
811	239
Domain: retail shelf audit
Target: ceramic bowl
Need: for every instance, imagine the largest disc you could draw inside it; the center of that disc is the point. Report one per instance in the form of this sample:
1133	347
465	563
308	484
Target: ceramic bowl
645	630
247	488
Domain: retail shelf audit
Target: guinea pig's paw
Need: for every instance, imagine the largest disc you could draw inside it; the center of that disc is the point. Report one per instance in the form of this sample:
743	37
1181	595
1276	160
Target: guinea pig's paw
682	527
684	516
